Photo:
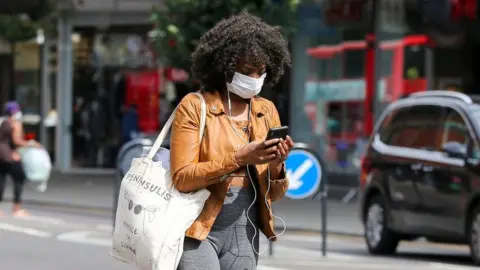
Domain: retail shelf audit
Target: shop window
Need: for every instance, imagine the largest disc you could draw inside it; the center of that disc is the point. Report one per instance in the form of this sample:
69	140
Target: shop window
345	141
27	92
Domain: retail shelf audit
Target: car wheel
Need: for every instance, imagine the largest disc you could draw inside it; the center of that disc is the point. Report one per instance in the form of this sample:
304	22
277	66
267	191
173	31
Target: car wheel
380	239
474	235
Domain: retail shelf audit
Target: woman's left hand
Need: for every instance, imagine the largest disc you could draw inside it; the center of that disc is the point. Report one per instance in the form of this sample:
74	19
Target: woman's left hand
284	147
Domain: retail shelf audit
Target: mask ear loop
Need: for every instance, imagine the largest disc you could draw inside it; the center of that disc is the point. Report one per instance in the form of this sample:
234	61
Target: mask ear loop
228	97
229	104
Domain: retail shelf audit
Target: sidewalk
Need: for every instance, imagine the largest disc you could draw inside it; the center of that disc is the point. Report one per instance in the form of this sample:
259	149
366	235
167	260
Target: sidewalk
95	193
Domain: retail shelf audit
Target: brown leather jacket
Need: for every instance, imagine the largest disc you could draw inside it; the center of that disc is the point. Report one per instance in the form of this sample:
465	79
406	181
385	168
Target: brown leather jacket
196	165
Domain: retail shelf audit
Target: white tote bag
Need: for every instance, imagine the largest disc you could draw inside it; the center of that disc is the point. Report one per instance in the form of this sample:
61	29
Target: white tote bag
37	166
152	215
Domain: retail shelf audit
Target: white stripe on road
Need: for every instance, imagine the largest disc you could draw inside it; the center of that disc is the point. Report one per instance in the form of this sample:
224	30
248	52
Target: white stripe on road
309	253
357	265
42	219
307	238
104	227
263	267
85	237
333	259
446	266
24	230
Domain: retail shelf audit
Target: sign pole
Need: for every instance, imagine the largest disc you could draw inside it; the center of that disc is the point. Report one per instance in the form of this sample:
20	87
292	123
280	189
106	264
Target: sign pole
323	200
307	175
270	248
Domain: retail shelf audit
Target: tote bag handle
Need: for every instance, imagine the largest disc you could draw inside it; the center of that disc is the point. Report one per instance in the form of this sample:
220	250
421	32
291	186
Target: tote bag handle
166	128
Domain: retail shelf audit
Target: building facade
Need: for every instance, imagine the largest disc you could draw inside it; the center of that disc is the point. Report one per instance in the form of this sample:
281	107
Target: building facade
54	75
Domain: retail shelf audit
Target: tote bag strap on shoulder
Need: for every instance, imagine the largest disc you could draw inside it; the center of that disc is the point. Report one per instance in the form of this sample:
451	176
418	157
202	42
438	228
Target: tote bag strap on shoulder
168	124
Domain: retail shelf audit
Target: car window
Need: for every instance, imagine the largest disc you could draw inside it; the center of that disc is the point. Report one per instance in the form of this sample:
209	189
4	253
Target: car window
415	127
392	124
455	130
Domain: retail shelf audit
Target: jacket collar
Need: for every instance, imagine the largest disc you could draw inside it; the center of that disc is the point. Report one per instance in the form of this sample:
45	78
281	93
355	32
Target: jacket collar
215	105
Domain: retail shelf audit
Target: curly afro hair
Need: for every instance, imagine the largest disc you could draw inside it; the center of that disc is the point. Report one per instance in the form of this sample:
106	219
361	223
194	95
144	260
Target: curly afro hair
243	36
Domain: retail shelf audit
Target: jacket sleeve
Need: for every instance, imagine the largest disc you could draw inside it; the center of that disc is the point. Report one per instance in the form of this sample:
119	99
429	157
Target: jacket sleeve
188	174
278	187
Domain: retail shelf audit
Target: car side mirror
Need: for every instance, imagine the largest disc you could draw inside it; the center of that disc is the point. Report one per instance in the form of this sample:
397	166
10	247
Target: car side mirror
455	150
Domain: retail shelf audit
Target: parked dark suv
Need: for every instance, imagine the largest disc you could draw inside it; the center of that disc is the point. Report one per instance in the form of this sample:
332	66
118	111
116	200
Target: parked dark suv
421	173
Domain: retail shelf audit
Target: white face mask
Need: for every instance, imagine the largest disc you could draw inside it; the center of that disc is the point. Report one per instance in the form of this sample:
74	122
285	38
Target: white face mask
245	86
17	116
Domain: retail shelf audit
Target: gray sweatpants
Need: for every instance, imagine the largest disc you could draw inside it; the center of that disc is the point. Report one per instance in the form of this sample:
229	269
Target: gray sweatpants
229	244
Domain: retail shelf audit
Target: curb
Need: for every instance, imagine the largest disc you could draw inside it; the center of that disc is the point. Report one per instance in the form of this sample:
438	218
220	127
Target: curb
69	206
349	234
305	231
105	211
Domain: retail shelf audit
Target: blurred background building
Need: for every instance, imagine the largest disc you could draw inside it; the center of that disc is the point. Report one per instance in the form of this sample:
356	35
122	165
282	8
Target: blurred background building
351	58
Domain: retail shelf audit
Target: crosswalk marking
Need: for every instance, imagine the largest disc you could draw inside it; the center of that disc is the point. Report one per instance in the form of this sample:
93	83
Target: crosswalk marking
264	267
286	257
374	264
445	266
105	227
85	237
43	219
24	230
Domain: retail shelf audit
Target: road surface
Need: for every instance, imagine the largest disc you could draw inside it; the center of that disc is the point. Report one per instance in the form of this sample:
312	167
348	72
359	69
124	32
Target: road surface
59	239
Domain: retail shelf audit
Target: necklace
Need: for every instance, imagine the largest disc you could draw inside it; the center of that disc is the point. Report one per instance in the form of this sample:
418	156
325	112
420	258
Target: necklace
232	124
236	130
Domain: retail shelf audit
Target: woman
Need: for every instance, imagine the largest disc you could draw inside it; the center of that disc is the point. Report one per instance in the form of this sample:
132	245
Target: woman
11	137
232	60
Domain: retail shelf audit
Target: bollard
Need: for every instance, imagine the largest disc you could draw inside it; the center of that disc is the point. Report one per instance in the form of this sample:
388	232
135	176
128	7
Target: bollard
129	151
307	176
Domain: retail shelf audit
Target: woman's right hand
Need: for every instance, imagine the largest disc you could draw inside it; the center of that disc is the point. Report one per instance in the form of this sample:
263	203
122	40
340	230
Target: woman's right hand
257	152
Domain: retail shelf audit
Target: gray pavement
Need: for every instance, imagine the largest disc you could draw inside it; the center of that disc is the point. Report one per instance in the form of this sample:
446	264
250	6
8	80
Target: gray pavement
58	239
95	193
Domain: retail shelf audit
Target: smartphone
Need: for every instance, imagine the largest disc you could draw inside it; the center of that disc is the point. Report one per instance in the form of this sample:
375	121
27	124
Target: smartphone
277	133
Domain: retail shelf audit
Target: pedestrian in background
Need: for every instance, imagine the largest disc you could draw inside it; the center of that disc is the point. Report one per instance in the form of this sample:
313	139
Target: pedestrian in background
11	138
243	172
130	126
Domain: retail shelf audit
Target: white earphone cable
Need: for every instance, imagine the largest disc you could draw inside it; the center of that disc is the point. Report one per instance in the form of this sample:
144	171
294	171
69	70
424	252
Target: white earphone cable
269	209
255	196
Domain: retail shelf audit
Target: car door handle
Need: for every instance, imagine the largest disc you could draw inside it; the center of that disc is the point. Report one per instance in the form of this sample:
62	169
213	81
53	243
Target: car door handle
416	167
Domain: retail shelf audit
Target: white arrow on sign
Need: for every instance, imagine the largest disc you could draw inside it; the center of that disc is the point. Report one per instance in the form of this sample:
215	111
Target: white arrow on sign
295	178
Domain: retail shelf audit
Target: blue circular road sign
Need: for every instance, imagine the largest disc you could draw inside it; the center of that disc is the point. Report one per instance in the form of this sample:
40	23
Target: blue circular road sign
304	172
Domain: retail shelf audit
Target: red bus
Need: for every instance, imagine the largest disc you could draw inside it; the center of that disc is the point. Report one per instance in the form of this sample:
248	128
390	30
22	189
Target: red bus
398	79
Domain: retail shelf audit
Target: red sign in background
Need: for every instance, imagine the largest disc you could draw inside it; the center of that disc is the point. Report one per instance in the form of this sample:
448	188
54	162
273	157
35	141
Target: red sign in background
142	89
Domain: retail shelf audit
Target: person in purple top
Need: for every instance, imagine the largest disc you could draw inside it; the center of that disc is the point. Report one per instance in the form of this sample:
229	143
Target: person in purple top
11	138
